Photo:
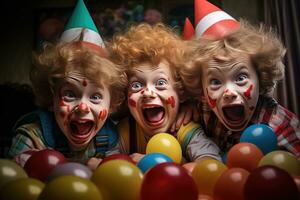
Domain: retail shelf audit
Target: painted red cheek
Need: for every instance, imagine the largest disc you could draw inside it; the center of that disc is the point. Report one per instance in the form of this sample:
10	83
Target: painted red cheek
212	102
84	83
62	103
129	94
132	103
248	92
102	115
171	101
62	114
252	108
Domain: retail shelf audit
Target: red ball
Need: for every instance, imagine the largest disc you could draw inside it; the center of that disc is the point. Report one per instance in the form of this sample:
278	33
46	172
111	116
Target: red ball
41	163
244	155
168	181
230	185
117	156
270	182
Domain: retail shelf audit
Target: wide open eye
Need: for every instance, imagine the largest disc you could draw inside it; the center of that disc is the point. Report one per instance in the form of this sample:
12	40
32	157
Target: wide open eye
68	95
96	98
161	83
241	79
214	83
136	86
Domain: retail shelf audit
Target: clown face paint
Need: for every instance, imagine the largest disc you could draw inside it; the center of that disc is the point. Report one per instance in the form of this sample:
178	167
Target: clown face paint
152	98
80	109
231	89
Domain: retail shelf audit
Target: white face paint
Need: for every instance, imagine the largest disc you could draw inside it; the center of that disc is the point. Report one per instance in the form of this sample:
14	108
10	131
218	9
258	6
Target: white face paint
80	109
232	90
152	98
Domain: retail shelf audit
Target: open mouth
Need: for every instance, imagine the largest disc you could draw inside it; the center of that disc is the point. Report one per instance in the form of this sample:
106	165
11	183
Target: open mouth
234	113
154	114
81	129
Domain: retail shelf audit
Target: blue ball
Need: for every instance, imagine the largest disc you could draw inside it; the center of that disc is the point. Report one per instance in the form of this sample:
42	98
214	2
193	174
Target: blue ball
262	136
152	159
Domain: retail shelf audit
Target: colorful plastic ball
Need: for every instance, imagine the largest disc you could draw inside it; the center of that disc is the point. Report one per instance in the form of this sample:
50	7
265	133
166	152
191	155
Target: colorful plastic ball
70	187
152	159
10	171
71	168
206	173
189	167
230	185
118	179
22	158
244	155
166	144
262	136
270	182
40	164
24	188
168	181
117	156
297	181
283	160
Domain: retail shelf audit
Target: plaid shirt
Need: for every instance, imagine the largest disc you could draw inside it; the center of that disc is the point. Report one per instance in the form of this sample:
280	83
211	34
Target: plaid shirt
33	136
284	123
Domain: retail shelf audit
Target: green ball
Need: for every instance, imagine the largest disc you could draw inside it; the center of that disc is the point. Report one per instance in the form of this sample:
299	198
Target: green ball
10	171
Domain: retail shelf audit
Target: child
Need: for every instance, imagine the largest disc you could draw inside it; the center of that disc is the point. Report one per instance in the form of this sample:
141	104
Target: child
152	55
76	88
235	74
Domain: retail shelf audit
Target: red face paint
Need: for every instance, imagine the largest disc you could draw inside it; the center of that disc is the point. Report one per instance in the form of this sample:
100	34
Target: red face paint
84	83
62	103
252	108
102	114
171	101
83	106
62	114
132	103
212	102
248	92
142	92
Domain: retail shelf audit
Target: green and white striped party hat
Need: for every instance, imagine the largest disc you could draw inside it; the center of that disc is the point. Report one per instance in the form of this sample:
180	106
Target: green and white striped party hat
81	26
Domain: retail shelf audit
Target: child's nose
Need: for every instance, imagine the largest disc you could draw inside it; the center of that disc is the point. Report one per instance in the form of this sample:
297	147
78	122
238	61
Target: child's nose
83	108
229	95
148	93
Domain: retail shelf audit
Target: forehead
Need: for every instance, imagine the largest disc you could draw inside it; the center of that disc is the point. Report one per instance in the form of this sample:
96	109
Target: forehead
146	68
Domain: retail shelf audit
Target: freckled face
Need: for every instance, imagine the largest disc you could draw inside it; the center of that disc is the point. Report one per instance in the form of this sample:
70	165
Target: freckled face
232	90
80	109
152	98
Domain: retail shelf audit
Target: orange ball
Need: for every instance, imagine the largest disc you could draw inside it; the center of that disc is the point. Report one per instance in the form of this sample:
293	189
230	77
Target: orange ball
244	155
230	185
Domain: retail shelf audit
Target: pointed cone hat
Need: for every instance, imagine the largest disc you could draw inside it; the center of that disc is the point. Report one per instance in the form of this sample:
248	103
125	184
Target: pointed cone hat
81	27
188	30
211	21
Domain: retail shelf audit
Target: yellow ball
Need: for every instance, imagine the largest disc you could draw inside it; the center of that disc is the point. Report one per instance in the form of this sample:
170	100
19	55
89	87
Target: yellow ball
282	159
206	174
166	144
118	179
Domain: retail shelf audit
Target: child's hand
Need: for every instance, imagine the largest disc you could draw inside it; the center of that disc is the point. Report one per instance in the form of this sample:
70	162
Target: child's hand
187	112
136	157
93	163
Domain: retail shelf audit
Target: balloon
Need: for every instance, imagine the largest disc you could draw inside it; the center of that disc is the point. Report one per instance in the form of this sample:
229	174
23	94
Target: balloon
166	144
41	163
168	181
10	171
118	179
244	155
189	167
204	197
70	168
24	188
70	187
117	156
230	185
297	181
262	136
152	159
206	173
283	160
270	182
